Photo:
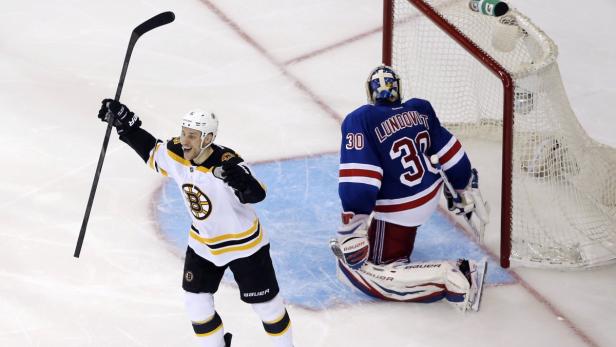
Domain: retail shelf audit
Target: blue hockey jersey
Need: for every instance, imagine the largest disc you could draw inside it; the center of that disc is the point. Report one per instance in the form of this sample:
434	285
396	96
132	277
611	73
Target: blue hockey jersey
385	166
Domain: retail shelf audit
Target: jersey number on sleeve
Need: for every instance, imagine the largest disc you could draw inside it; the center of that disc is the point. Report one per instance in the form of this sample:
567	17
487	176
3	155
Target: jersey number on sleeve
411	157
354	141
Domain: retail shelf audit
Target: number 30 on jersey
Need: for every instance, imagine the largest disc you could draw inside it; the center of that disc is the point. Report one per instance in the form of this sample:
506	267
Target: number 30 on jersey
354	141
412	157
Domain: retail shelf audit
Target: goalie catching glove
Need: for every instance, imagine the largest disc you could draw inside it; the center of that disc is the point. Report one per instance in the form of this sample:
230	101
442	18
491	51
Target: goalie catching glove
351	245
124	120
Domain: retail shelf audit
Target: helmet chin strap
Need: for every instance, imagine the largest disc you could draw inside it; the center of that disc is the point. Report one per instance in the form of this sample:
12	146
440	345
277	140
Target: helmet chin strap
203	149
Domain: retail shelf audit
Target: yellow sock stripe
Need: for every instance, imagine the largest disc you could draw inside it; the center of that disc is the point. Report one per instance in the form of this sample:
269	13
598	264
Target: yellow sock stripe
282	332
210	333
277	319
208	327
278	327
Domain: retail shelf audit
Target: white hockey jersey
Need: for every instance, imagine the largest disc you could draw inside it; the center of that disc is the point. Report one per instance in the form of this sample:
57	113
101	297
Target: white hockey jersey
223	229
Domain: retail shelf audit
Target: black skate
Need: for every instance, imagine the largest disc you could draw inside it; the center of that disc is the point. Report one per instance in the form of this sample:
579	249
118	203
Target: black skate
227	338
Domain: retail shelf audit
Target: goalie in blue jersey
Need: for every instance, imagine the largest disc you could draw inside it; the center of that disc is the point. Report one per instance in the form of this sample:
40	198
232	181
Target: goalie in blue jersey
389	187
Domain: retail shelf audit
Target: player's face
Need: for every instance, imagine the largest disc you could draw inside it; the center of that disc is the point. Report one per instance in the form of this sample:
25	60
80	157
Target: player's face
191	143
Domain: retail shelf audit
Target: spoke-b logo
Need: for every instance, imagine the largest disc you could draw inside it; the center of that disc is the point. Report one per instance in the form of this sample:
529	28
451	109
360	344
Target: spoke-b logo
200	204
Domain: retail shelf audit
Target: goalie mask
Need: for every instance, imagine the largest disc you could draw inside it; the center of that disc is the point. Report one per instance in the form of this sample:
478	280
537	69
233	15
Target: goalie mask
383	85
205	122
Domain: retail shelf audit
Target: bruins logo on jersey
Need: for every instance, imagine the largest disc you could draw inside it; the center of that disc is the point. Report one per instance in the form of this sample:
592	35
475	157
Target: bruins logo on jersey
200	204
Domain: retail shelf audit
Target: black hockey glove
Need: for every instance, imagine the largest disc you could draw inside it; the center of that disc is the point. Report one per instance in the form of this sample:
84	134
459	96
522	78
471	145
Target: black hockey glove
124	120
238	177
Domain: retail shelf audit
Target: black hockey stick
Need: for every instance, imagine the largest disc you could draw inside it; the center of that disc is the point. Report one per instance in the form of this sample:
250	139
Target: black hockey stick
152	23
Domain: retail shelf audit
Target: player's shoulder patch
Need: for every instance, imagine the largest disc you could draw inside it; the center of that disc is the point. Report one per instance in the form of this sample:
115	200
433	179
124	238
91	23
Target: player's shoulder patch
175	146
225	154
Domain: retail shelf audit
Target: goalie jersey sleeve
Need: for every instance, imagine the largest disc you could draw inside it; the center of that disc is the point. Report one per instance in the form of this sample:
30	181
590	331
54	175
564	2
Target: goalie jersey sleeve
452	157
385	166
360	173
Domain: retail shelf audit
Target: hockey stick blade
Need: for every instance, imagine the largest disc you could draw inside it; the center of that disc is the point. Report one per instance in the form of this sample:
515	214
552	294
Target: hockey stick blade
152	23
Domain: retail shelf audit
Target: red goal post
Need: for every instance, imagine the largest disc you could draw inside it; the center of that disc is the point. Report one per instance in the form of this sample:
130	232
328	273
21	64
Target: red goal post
543	157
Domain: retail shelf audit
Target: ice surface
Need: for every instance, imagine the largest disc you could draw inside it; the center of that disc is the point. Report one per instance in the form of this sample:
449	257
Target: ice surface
301	213
58	59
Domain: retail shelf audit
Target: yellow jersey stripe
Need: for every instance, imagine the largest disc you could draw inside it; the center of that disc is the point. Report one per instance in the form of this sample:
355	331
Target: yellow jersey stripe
178	158
239	248
151	161
240	235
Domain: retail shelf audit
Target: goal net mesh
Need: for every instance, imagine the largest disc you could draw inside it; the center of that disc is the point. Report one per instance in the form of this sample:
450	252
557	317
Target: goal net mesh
563	183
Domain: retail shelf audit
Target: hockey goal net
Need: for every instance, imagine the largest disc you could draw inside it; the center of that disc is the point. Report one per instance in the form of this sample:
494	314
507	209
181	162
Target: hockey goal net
494	82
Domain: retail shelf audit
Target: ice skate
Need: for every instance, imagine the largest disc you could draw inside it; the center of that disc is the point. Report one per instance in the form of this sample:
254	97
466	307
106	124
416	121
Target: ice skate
475	274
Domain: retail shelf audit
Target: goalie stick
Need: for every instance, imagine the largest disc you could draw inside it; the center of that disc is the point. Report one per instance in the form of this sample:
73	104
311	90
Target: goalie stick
152	23
477	224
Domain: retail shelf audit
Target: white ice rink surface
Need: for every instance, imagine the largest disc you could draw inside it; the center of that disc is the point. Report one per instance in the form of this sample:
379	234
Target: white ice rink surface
261	65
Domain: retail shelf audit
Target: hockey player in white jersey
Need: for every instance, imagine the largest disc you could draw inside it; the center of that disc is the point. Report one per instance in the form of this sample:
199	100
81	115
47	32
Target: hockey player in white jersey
218	188
388	188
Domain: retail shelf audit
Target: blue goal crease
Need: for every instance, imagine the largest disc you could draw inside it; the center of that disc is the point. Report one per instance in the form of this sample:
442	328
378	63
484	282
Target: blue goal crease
301	213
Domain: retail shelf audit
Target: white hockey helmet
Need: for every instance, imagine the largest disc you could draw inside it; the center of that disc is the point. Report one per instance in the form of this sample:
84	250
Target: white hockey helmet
203	121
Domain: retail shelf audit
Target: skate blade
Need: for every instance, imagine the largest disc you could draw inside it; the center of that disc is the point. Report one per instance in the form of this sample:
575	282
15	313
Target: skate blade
335	247
482	268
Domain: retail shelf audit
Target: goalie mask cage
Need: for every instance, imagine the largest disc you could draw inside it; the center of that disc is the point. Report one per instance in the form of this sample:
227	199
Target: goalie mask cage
495	80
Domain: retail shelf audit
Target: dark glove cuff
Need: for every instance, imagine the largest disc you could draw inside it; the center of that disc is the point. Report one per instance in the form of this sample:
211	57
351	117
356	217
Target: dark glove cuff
252	194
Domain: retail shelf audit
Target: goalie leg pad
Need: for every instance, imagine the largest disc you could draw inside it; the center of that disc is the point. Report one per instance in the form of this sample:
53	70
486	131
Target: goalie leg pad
419	282
400	281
